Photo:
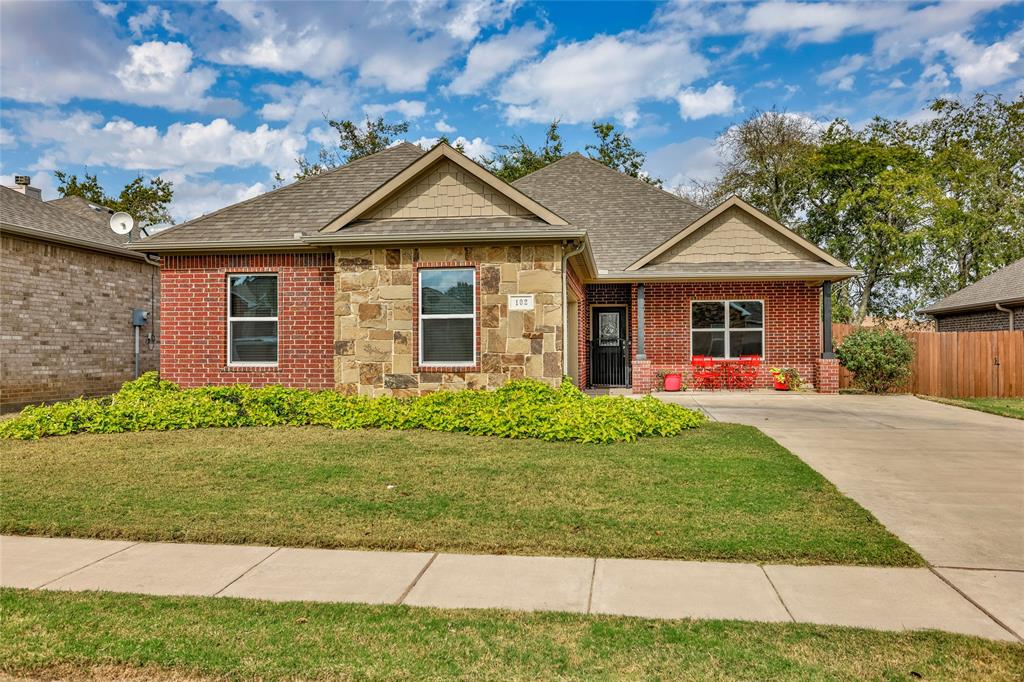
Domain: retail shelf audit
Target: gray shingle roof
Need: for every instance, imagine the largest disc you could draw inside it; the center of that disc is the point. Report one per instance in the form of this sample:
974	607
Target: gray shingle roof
68	218
1002	286
304	206
625	218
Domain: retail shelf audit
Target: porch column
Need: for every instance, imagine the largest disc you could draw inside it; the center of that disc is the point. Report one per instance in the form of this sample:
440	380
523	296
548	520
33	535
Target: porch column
826	320
640	354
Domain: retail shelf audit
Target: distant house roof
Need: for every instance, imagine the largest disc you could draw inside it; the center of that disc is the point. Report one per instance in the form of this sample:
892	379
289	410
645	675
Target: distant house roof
1002	286
70	220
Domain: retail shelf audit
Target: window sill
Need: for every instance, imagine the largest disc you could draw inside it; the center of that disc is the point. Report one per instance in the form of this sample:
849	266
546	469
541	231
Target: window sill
252	368
445	369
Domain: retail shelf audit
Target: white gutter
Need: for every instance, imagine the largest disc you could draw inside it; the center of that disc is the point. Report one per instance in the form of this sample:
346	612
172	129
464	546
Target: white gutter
565	302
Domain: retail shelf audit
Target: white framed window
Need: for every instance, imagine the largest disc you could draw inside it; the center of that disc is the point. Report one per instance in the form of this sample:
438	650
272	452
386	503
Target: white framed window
447	317
727	329
252	320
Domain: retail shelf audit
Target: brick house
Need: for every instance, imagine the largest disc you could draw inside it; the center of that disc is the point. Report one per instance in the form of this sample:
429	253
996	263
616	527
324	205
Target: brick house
68	286
992	304
408	271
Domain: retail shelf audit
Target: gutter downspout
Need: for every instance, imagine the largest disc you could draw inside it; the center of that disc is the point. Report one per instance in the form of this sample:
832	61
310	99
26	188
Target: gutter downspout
1008	311
565	302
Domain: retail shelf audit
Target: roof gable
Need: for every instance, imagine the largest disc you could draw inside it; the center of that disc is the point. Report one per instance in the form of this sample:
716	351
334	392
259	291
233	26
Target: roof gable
733	232
443	183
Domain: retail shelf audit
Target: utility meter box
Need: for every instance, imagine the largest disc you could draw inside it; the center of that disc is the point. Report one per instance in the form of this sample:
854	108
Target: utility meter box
139	317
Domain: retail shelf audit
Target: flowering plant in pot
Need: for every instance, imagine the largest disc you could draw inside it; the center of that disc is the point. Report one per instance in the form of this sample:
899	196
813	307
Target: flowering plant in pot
671	380
786	378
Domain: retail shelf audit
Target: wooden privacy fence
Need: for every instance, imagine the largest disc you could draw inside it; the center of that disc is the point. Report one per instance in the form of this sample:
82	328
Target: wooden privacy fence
958	364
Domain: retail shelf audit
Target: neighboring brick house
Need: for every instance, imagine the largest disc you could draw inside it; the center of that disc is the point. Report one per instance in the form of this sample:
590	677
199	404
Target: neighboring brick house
993	303
408	271
68	286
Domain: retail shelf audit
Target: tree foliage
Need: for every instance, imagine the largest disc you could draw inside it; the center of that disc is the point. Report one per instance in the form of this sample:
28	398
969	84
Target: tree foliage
147	202
355	140
878	358
615	150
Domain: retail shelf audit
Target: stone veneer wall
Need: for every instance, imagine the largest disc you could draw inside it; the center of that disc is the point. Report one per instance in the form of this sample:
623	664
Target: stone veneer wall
66	321
375	311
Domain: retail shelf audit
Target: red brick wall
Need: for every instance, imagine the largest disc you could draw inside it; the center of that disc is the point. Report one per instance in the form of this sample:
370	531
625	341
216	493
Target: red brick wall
194	326
792	323
583	333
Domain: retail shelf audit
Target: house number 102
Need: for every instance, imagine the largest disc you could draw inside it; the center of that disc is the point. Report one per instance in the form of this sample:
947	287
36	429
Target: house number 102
520	301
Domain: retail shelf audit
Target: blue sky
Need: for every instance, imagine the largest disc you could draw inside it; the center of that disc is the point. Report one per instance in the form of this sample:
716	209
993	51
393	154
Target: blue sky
219	96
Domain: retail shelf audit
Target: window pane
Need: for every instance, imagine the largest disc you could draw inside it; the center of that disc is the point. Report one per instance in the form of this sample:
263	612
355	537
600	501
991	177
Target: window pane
745	343
746	314
253	296
709	343
447	341
446	292
709	315
608	333
254	342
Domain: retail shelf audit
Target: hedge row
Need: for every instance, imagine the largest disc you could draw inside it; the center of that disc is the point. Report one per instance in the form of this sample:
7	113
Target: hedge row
520	409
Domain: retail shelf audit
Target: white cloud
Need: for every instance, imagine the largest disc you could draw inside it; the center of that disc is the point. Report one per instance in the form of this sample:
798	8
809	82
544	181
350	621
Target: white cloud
470	17
109	10
841	76
684	164
477	148
88	139
604	76
408	109
153	15
407	67
197	195
980	66
301	102
491	58
717	100
443	127
85	59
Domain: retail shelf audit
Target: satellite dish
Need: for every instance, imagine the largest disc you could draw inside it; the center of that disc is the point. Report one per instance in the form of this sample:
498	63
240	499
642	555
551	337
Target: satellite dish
121	223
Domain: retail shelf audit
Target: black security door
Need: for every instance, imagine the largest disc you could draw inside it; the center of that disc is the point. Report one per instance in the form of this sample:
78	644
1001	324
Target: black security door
609	347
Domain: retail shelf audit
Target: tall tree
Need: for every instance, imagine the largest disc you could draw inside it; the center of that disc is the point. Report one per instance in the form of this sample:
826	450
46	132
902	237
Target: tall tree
355	140
148	203
515	160
615	150
870	198
977	155
765	160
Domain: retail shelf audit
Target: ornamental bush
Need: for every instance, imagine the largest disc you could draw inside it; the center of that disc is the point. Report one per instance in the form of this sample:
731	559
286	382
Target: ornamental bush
878	358
520	409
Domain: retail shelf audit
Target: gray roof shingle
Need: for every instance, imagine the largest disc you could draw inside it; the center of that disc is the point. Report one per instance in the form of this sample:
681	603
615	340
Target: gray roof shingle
1002	286
624	217
304	206
70	218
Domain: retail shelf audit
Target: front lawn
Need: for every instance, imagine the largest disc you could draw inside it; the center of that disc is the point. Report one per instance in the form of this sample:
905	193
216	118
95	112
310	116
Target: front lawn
121	636
718	492
1005	407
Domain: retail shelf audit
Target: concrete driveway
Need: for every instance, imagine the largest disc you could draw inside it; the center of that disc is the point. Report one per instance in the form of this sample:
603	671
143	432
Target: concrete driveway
948	481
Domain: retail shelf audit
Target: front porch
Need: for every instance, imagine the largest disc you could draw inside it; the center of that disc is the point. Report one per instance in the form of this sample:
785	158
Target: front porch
631	333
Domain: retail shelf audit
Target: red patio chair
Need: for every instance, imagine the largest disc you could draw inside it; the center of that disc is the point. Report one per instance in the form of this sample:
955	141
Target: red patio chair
745	371
706	373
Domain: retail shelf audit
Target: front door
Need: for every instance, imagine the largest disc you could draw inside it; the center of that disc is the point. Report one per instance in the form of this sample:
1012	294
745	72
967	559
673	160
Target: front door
609	347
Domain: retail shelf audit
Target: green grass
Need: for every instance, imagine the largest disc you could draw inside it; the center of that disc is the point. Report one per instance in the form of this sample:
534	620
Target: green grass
719	492
103	635
1005	407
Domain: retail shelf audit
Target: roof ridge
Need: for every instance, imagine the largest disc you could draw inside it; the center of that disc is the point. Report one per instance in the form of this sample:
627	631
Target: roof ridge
318	176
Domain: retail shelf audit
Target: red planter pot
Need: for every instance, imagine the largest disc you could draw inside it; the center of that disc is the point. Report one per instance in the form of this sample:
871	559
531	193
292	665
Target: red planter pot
781	386
673	382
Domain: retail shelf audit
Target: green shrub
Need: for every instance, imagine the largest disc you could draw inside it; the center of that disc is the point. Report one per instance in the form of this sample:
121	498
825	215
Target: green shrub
519	409
878	358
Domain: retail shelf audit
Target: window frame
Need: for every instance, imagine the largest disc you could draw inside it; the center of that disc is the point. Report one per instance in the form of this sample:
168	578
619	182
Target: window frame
727	329
420	317
231	319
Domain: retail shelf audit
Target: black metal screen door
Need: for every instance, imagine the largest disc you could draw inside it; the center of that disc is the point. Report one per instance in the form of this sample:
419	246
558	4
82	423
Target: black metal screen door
608	347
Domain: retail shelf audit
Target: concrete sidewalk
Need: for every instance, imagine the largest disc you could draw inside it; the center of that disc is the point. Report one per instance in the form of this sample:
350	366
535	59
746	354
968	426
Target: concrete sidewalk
879	598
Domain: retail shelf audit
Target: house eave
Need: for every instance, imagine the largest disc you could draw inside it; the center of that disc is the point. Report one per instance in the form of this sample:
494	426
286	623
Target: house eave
723	276
85	244
468	236
267	245
968	307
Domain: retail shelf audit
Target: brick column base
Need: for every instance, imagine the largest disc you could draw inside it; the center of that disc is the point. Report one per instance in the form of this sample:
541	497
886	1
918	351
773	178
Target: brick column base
643	376
826	378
